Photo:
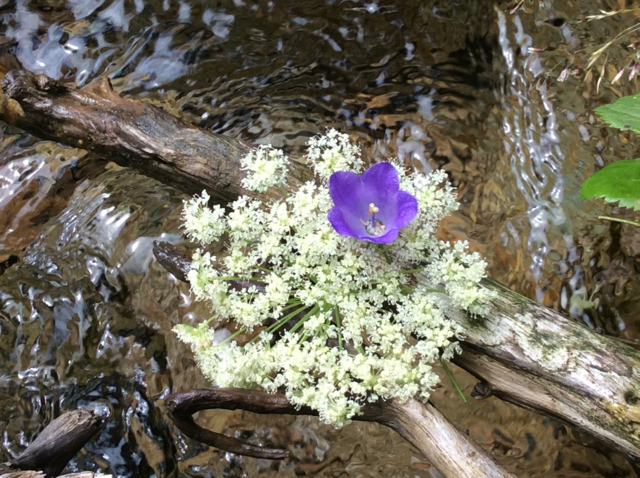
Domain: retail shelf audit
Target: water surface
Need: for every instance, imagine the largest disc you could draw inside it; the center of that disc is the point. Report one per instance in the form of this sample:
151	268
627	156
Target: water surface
86	312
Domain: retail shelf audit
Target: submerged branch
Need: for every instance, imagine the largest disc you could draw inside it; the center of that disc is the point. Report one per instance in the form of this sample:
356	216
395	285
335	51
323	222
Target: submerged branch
172	259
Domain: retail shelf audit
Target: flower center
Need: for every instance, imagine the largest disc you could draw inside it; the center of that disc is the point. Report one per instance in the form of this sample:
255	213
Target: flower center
373	226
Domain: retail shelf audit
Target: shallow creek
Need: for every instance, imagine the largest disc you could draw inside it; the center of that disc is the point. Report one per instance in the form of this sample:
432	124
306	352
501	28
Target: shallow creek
86	312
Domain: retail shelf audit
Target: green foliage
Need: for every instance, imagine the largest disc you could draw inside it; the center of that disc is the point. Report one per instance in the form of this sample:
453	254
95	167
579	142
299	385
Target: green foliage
623	114
617	182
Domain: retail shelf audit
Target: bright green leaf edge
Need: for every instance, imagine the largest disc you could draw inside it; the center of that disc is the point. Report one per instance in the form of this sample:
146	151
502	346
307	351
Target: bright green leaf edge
623	114
617	182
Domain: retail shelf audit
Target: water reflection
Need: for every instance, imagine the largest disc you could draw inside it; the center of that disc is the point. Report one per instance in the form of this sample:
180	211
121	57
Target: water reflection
86	315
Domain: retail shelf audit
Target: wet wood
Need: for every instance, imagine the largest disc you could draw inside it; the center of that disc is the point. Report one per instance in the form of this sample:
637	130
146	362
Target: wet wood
524	353
448	449
60	441
172	259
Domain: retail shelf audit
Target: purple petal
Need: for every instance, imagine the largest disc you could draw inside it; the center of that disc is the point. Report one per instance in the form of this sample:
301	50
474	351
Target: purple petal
407	209
381	179
337	220
345	188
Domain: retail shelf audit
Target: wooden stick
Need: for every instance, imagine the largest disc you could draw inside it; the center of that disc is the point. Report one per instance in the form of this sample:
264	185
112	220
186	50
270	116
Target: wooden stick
60	441
452	452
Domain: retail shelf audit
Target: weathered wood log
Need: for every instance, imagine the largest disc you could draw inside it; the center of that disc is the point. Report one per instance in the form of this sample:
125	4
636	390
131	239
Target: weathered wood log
129	132
565	370
532	356
446	447
60	441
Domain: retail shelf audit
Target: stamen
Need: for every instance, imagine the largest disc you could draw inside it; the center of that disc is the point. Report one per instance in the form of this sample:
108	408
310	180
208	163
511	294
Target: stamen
373	226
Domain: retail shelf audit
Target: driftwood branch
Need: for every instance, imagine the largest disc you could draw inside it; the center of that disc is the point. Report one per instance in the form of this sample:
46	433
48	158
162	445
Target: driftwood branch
60	441
525	353
446	447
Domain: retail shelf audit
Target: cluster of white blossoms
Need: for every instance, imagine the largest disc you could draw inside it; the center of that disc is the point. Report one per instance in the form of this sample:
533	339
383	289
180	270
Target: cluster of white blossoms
331	321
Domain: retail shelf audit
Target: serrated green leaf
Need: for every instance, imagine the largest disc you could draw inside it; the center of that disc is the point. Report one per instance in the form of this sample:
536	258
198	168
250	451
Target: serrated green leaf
623	114
617	182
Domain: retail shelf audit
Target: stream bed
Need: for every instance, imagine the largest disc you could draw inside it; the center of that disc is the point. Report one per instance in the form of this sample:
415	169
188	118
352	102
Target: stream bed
474	87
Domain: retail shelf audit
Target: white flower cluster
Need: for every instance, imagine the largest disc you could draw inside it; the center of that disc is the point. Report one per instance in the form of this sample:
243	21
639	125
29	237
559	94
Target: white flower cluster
265	166
329	320
333	152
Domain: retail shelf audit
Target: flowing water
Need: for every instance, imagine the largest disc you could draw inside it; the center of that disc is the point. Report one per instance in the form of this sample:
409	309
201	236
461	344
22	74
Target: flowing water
86	312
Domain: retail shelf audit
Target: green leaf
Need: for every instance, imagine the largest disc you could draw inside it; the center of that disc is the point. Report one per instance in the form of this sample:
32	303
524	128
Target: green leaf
623	114
617	182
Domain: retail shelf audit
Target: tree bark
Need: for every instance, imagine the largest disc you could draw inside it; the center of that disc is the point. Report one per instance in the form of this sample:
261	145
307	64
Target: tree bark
524	353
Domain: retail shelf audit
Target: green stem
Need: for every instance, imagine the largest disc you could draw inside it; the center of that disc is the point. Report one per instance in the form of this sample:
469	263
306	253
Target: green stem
438	291
616	219
280	322
283	191
411	271
292	303
407	290
336	313
309	314
453	380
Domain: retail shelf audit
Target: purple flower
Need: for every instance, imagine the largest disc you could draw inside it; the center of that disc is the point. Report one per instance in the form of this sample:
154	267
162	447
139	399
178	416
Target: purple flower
370	207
